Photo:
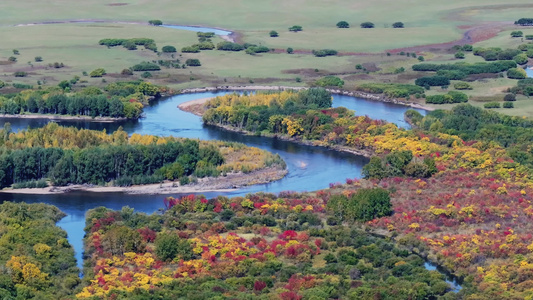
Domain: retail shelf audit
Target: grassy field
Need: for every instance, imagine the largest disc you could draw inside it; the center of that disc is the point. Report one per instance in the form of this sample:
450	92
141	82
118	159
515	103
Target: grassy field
76	44
426	21
504	39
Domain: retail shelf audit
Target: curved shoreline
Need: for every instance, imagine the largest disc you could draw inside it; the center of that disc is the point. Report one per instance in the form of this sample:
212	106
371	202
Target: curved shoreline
63	117
231	182
358	94
186	106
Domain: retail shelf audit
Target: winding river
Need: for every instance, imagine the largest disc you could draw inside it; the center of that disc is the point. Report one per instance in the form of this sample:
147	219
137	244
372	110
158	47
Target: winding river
310	168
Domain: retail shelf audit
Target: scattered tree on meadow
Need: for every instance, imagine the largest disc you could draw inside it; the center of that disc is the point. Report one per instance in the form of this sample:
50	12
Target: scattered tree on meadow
343	24
155	22
367	25
295	28
398	25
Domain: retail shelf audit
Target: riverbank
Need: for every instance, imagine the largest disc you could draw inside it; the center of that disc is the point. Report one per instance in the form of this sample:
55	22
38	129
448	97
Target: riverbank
228	183
358	94
196	107
63	117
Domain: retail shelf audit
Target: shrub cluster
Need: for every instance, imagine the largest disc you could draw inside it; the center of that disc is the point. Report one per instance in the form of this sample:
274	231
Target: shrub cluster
324	52
450	97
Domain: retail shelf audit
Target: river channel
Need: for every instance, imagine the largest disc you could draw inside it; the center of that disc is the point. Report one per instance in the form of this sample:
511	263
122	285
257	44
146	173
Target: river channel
310	168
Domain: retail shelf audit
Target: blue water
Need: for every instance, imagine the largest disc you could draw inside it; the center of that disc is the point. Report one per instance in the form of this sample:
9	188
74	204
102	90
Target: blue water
199	29
310	168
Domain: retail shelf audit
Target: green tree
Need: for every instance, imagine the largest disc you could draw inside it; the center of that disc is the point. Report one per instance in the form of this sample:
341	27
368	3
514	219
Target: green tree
398	25
168	49
169	246
343	24
295	28
516	73
367	25
193	62
290	50
121	239
460	55
155	22
64	84
116	108
97	72
273	33
517	33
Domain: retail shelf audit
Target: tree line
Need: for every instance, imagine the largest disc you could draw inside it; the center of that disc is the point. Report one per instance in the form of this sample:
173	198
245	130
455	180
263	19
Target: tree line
105	161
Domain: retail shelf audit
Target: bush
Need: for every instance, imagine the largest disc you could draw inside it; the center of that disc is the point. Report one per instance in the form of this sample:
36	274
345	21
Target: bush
97	72
155	22
20	74
517	34
146	75
492	105
432	81
516	73
273	33
257	49
462	86
12	59
467	48
509	97
206	35
450	97
290	50
295	28
398	25
343	24
229	46
324	52
193	62
521	59
38	58
330	81
508	105
367	25
529	37
168	49
146	66
130	45
460	55
126	72
22	86
190	49
206	45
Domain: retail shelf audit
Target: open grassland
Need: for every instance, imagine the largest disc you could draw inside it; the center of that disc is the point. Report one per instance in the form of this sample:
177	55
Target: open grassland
353	39
426	22
76	46
504	39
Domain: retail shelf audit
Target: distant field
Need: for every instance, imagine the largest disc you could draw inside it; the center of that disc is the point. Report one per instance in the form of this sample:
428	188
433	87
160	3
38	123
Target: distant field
504	39
76	46
425	21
